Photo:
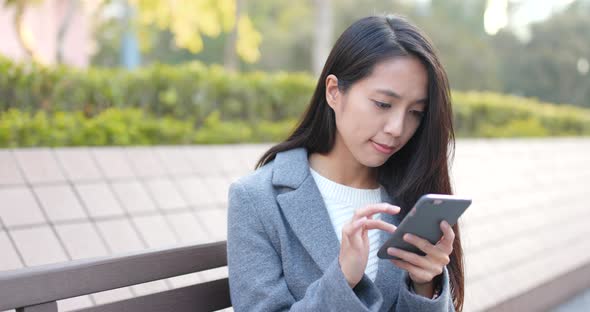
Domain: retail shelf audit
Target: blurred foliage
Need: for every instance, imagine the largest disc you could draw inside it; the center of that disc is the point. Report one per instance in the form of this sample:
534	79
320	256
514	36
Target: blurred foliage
194	103
190	90
127	127
111	127
547	65
174	31
543	67
486	114
188	19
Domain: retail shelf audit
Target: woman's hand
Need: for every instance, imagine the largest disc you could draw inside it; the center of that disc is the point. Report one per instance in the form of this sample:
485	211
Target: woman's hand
422	269
354	249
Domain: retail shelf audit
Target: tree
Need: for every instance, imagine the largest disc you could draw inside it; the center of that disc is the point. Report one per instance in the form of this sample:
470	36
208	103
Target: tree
456	27
24	35
550	66
288	29
322	34
188	20
72	5
230	54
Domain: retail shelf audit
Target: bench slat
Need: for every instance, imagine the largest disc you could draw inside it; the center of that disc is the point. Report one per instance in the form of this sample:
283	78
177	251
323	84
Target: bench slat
209	296
44	307
36	285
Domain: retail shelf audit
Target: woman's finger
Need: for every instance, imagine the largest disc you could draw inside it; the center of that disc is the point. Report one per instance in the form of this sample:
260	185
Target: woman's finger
376	208
421	243
354	226
447	230
438	252
379	225
420	275
446	243
410	257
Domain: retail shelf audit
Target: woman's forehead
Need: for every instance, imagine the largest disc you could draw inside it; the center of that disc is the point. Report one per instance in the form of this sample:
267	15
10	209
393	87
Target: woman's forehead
399	77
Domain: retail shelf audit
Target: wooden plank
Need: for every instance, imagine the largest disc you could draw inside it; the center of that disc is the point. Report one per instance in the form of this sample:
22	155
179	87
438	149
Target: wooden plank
44	307
209	296
36	285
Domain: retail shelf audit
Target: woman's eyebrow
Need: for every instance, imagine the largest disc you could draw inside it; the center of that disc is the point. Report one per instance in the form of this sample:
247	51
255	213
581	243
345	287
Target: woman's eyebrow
392	93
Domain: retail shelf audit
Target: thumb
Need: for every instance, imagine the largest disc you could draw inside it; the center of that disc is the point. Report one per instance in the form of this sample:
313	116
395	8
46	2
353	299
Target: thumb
357	225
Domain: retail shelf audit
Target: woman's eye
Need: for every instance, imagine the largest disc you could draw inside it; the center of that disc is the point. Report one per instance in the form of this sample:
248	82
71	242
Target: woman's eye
418	114
382	105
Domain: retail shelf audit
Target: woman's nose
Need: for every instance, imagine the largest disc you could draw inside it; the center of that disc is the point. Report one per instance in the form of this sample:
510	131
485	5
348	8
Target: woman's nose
395	125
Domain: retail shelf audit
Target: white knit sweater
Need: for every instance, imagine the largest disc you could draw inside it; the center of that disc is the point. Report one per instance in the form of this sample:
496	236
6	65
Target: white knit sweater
341	202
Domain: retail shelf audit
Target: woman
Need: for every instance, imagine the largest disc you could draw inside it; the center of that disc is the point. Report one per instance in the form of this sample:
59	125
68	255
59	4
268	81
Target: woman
303	228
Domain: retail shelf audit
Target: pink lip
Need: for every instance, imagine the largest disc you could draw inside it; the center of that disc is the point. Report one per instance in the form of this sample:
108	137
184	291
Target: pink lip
382	148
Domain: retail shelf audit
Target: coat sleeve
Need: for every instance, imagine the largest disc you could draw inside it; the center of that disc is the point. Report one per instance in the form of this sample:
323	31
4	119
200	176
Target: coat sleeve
410	301
256	275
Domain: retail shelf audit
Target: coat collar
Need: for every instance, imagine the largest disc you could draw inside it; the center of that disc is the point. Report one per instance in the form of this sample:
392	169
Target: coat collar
290	168
304	208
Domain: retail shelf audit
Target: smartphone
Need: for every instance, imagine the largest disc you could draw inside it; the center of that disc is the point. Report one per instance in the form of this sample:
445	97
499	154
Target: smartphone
424	221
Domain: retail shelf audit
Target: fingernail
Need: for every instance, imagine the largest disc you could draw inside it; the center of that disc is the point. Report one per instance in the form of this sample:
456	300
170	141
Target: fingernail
408	236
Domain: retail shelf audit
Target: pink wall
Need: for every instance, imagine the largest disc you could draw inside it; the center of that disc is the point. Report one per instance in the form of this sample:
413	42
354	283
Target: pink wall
43	21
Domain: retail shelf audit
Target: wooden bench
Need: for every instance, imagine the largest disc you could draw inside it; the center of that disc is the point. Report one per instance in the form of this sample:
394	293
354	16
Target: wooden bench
37	289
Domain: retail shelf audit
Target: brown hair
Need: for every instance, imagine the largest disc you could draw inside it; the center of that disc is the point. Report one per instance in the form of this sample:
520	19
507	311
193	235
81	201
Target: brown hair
422	165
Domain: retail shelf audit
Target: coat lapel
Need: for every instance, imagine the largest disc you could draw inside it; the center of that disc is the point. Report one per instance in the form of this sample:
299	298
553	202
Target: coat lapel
387	272
304	208
305	211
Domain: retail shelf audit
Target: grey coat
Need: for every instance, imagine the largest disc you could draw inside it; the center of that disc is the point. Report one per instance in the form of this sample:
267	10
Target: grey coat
283	250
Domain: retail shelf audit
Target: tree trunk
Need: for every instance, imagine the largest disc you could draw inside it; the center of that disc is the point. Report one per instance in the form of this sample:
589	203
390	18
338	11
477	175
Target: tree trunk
322	34
63	28
24	38
230	54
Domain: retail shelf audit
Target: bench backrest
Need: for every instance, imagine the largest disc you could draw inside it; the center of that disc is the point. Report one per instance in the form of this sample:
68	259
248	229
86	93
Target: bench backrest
38	288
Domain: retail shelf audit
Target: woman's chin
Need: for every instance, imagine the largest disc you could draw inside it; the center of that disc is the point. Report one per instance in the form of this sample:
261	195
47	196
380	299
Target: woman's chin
374	161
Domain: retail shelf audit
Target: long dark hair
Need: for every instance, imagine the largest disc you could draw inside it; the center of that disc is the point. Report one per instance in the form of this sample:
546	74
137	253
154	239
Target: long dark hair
422	165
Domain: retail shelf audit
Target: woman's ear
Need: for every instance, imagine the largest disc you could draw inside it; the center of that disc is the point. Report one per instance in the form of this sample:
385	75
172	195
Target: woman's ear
332	91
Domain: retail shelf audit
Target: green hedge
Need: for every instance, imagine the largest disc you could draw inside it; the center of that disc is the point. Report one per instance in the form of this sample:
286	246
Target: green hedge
189	91
485	114
135	127
193	103
128	127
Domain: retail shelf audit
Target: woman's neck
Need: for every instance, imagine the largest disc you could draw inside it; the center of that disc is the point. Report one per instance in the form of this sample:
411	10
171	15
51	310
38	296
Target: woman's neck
341	167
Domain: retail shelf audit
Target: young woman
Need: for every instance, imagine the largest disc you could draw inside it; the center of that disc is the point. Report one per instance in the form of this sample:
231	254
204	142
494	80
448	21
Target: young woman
304	228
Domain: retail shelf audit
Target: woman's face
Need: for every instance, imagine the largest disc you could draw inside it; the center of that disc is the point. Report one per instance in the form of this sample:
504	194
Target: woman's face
379	114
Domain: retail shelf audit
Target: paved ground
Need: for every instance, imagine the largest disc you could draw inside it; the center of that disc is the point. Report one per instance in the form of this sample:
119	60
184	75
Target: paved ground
529	209
581	303
529	220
